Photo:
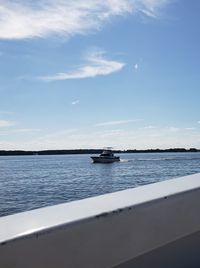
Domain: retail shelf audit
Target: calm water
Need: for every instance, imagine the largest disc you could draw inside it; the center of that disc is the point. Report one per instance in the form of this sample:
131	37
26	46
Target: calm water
28	182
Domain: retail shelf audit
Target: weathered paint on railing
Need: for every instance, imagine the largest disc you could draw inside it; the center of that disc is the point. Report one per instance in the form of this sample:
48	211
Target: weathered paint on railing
104	231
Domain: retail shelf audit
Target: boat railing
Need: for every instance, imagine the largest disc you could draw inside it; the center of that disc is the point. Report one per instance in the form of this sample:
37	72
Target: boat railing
156	225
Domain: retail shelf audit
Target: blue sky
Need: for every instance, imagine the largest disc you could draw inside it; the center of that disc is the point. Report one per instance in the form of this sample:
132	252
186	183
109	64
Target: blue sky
87	74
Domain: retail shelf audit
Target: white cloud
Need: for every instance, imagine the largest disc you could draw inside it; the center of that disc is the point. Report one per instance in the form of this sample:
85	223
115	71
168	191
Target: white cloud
149	127
21	131
119	138
97	65
28	19
5	123
117	122
190	128
136	66
27	130
75	102
58	134
151	8
173	129
135	137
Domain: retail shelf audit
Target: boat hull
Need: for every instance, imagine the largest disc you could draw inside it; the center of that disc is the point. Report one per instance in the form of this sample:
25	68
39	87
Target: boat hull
99	159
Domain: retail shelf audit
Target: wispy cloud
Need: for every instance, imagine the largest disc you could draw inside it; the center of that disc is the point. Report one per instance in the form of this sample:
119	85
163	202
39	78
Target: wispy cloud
6	112
5	123
136	66
190	128
117	122
149	127
57	135
173	129
75	102
27	130
17	132
97	64
131	138
28	19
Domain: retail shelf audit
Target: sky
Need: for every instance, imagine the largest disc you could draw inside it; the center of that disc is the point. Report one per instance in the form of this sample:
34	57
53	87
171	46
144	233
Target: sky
92	73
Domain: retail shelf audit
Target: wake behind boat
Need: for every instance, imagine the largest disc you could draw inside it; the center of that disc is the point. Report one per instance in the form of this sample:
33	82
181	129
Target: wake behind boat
107	156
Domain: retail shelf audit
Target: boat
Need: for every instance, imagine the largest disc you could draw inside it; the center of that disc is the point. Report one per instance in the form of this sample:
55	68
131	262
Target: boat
107	156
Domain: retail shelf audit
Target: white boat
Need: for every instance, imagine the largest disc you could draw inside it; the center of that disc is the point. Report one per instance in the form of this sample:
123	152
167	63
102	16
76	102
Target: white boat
106	156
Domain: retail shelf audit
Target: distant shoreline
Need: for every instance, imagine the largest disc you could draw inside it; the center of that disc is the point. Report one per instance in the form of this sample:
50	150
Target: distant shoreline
94	151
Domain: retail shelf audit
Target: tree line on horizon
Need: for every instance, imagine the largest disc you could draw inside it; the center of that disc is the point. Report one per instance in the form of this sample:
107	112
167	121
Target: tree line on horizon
93	151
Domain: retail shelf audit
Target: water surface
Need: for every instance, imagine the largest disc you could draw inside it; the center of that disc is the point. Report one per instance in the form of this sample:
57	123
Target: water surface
28	182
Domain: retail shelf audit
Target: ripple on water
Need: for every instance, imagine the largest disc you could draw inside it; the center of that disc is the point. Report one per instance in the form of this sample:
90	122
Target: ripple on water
28	182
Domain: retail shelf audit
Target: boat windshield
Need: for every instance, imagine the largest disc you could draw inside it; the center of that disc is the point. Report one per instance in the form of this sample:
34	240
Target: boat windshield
106	153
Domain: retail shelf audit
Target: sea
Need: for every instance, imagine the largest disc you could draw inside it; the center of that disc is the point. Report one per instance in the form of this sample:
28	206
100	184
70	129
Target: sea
30	182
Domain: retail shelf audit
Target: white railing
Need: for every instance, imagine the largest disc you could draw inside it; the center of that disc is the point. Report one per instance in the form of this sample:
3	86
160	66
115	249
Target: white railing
138	225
